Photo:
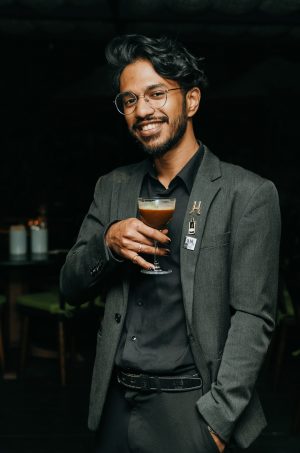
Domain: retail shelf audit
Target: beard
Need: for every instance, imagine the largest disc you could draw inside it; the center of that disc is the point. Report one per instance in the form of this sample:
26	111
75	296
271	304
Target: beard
177	131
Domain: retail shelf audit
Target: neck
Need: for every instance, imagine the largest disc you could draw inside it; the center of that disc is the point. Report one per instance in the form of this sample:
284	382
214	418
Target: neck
169	165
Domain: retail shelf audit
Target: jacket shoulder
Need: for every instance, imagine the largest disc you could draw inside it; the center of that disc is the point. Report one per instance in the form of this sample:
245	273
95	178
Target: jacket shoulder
240	179
124	173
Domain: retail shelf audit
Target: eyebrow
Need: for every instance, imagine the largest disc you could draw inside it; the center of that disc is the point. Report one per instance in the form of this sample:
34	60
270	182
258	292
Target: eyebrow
149	87
155	85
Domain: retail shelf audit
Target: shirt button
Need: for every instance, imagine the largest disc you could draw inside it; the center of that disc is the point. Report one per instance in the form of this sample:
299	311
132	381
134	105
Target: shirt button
133	338
140	303
118	317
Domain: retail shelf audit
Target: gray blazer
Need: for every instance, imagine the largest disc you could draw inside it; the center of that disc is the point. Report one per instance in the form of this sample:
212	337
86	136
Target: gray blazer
229	286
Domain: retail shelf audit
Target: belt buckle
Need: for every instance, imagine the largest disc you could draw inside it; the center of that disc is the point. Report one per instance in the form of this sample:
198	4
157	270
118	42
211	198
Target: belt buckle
178	384
145	383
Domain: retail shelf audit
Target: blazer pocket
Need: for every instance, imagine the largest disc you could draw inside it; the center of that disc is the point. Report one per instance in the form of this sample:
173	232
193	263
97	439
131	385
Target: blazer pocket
218	240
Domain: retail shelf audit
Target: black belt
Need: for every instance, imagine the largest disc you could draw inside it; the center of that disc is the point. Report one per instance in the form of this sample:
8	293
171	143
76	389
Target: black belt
146	382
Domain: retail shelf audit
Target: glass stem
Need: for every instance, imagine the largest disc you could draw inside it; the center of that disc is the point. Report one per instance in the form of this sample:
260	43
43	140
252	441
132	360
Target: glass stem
155	260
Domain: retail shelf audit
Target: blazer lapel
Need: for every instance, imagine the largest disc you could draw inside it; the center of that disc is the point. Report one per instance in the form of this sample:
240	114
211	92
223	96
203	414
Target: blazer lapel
205	188
129	191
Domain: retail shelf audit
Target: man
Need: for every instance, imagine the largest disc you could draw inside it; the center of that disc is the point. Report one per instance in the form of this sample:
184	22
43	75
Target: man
178	355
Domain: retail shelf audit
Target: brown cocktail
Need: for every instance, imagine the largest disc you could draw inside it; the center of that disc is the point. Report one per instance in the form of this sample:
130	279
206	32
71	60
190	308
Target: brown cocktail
156	213
156	218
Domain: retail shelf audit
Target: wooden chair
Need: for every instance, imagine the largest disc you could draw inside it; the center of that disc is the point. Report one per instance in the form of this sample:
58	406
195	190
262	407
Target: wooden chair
48	304
2	358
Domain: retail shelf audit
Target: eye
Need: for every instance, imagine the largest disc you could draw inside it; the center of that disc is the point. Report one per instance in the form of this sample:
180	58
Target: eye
157	94
128	100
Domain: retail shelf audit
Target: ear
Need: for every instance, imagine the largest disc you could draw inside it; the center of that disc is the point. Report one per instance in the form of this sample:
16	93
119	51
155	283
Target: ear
193	97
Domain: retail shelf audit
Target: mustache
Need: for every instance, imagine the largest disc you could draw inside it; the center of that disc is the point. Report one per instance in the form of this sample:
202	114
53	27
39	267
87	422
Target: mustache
139	121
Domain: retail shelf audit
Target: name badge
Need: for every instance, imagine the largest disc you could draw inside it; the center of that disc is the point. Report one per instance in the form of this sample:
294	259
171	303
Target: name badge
189	243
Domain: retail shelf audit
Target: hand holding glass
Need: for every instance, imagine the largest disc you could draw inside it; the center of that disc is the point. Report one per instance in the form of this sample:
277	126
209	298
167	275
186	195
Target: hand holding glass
156	213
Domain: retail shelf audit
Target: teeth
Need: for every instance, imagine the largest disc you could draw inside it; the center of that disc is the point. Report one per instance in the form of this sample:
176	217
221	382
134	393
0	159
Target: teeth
150	126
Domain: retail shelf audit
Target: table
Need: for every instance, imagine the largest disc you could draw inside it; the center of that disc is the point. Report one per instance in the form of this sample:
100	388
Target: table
16	273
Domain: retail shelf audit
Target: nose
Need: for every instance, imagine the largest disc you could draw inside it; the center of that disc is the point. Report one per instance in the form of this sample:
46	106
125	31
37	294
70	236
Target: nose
143	107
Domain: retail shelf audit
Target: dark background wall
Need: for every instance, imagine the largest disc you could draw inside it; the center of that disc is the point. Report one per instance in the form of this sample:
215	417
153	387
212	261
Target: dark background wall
59	129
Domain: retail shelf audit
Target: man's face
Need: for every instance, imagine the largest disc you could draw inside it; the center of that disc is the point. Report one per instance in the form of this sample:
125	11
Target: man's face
157	130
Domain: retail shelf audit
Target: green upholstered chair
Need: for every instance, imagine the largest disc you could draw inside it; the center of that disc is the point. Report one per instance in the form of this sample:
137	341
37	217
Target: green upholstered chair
2	361
48	304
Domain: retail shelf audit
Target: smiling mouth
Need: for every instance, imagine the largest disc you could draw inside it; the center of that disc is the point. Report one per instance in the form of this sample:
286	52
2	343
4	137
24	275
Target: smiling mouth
148	128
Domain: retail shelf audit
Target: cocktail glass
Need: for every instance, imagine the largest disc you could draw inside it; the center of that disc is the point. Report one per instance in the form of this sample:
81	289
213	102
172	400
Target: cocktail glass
156	213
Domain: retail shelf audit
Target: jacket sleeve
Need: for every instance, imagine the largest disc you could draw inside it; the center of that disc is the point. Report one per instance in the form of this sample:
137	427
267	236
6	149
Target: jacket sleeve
89	261
253	297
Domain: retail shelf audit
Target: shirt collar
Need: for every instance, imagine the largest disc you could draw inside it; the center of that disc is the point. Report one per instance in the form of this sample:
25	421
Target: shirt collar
188	173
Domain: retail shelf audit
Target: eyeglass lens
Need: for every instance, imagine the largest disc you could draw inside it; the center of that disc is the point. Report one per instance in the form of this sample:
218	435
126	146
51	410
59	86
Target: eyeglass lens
126	102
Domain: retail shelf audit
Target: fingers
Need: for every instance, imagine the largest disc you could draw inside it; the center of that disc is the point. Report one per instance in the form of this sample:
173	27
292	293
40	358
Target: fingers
146	248
129	238
141	262
148	232
149	249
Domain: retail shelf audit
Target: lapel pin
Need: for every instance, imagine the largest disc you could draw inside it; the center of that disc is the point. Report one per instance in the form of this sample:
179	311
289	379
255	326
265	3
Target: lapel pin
196	207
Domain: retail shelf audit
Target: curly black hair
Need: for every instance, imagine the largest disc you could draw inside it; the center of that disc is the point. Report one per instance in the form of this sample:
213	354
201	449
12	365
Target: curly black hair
169	58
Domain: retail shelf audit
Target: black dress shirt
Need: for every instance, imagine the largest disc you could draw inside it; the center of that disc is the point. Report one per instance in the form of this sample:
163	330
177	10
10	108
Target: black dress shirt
154	338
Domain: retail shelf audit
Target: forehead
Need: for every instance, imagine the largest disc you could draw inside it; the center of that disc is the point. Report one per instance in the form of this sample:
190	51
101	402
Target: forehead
139	75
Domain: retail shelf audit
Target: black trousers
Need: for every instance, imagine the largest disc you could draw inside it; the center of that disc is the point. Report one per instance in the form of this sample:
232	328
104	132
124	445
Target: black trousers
152	422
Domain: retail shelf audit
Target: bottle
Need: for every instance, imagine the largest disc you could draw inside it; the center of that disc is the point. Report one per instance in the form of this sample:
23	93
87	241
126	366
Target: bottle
17	240
39	232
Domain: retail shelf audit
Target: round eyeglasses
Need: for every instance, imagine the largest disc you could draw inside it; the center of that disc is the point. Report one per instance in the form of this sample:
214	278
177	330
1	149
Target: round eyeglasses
156	97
